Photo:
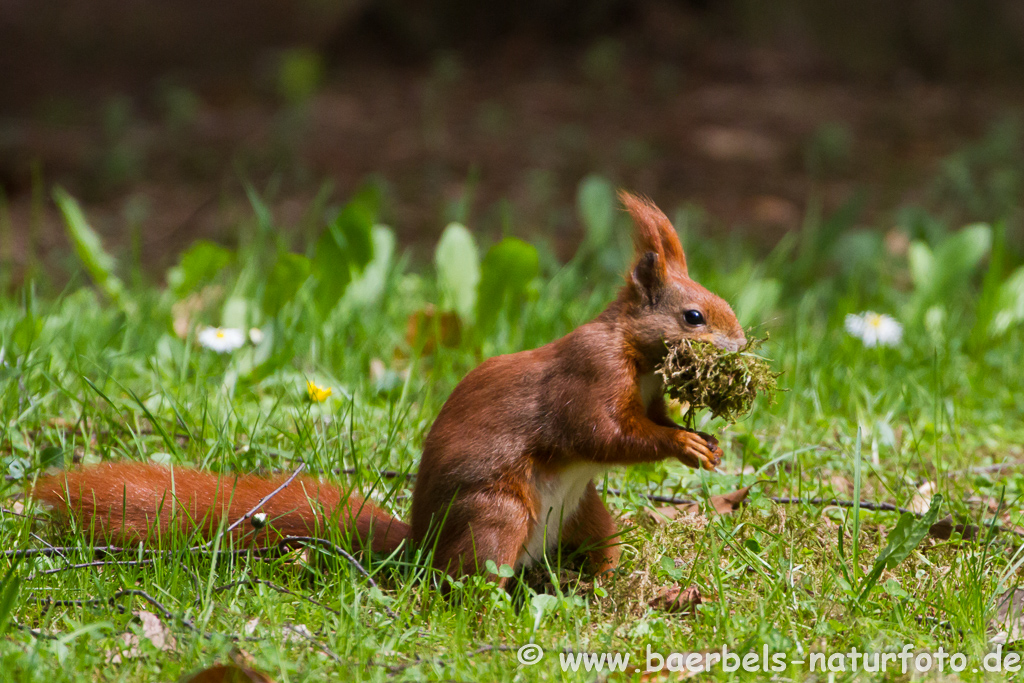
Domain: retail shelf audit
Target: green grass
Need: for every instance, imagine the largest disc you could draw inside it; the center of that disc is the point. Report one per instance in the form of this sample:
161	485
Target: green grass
97	372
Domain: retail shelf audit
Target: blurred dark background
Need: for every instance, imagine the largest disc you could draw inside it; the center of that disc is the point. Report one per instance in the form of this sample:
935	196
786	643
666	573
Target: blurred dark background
734	115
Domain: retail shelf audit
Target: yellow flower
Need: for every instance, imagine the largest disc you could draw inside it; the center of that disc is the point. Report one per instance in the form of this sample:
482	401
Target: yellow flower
317	394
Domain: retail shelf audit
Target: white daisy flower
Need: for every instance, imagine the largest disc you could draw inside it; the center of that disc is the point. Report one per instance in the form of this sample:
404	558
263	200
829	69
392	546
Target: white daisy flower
874	329
221	339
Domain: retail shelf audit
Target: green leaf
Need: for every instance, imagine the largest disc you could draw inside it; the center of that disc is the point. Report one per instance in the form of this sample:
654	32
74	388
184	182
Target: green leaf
200	264
51	456
542	604
922	264
507	269
595	202
98	263
1009	309
458	269
370	286
9	588
330	267
959	255
289	273
902	541
345	248
353	230
26	332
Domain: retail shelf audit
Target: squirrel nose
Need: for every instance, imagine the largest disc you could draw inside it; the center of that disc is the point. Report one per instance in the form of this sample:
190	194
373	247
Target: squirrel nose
730	343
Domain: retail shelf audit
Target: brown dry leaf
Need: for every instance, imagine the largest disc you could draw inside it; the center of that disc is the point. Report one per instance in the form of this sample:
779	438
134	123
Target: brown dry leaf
737	144
988	502
922	500
944	528
227	673
841	486
153	629
675	599
775	211
130	649
428	329
722	504
242	659
183	312
1009	620
156	631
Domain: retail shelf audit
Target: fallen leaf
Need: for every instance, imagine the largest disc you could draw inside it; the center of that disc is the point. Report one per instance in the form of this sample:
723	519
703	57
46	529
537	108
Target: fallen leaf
297	633
944	528
153	630
250	626
841	486
1009	618
427	329
129	649
156	631
775	211
922	500
737	144
227	673
675	599
722	504
242	659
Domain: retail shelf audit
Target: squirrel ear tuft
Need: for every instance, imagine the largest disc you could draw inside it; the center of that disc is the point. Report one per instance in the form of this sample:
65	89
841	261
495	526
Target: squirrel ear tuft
649	276
654	232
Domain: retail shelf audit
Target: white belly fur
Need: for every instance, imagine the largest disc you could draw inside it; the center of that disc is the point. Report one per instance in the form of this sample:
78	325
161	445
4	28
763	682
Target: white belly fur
560	496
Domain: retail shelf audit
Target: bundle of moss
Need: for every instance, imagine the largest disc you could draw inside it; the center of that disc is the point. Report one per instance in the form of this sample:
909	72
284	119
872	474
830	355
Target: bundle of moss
724	382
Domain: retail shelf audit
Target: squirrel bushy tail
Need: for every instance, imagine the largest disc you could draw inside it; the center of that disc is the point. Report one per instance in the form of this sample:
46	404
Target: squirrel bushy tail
130	502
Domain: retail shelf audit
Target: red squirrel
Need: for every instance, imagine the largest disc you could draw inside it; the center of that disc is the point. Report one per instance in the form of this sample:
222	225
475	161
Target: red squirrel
508	467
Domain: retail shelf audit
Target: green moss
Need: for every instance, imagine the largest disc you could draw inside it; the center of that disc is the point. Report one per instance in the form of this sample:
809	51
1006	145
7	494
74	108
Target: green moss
724	382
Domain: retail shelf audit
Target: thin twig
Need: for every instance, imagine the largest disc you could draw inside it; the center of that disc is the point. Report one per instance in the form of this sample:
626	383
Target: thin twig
320	646
263	501
324	543
86	565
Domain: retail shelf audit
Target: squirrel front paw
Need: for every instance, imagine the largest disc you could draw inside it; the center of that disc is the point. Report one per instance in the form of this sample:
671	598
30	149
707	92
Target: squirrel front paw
700	450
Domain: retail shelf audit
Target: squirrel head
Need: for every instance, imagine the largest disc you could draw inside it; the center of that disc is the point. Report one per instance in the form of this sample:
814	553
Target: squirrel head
665	304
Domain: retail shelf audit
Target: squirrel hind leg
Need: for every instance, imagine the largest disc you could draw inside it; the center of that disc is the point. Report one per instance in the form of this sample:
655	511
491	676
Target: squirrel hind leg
498	532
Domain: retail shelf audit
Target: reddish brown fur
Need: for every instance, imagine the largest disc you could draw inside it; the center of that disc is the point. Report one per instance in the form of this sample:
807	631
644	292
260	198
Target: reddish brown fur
128	502
518	430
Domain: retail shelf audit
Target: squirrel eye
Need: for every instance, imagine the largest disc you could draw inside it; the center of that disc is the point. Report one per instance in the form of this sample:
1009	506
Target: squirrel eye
693	317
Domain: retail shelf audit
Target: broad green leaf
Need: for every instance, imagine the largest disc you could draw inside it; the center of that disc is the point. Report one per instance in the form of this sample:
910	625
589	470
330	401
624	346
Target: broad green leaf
353	230
959	255
902	541
542	604
1009	310
507	269
921	262
98	263
198	265
344	249
369	287
289	273
458	269
595	201
237	313
51	456
331	269
26	332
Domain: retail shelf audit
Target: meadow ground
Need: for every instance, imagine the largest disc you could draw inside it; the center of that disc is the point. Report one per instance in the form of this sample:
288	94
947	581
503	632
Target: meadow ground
111	368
